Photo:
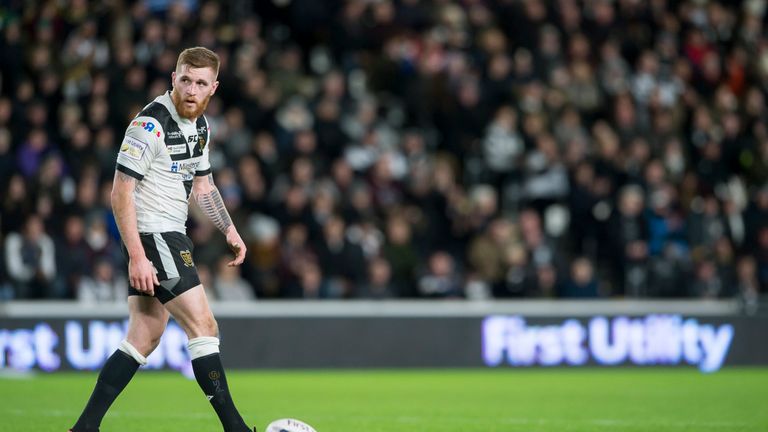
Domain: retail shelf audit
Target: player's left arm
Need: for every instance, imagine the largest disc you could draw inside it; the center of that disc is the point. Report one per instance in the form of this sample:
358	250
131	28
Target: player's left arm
209	199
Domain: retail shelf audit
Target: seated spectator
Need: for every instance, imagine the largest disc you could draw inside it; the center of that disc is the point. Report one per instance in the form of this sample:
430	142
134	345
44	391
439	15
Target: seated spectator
106	285
440	278
487	252
228	283
342	261
73	257
519	278
582	282
6	290
379	284
30	258
398	250
311	284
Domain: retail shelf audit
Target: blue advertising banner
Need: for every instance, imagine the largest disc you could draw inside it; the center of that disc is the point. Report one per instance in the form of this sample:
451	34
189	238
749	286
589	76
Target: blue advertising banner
512	341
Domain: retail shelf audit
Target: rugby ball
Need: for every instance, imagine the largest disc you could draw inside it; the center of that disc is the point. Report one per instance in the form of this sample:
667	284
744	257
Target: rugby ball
289	425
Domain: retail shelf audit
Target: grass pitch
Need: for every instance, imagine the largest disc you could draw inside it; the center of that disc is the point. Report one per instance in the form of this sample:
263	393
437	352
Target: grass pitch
505	400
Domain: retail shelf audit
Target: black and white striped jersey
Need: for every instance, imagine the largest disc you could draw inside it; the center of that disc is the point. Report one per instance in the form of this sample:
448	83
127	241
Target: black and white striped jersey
164	152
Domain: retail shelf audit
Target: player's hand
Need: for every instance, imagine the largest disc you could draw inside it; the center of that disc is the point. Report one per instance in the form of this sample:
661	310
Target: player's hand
142	275
237	245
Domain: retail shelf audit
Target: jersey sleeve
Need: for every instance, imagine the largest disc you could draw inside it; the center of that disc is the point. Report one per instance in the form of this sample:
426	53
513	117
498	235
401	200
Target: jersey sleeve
204	168
140	146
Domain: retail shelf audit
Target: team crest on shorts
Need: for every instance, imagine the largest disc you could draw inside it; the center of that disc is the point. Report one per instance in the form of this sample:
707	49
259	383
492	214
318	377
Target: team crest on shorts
186	256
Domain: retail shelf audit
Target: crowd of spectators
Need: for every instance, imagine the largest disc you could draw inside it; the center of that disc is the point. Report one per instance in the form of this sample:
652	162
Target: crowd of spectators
404	148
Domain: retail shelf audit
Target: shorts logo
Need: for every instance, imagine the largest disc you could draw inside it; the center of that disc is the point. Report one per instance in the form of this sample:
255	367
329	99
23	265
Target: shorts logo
186	256
148	126
175	167
133	148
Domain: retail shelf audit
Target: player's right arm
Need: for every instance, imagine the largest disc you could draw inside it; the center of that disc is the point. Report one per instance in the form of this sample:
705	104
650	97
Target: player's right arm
136	153
141	272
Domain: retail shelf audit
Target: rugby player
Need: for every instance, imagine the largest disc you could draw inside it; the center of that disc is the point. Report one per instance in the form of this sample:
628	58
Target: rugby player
163	159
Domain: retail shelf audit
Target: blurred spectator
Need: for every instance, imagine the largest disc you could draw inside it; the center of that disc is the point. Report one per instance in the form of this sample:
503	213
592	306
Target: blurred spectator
32	151
629	238
73	258
547	281
30	259
17	204
440	278
379	282
747	284
263	261
519	278
398	250
6	289
312	285
228	284
582	282
106	285
708	282
342	261
7	162
295	255
487	252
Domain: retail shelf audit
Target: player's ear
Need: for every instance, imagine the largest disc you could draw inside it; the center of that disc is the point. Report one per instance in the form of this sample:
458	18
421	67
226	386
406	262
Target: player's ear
215	86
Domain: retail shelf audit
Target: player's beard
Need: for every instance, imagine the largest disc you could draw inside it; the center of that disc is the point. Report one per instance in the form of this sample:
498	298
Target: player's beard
185	111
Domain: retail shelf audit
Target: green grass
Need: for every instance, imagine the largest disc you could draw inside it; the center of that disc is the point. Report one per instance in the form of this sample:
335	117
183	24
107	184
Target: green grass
413	400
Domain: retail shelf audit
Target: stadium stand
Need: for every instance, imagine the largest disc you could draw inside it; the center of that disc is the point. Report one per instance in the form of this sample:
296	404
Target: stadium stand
409	148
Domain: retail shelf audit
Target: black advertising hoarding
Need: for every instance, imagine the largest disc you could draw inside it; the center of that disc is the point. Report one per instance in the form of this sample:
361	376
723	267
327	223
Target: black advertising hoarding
494	341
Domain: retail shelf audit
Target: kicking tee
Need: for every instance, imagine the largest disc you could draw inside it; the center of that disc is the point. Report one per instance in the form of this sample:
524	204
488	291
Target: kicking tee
164	152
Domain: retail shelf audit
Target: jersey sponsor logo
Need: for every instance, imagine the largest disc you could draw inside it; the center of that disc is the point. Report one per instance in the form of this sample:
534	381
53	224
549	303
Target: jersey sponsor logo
133	148
175	134
186	256
185	169
176	149
184	166
147	126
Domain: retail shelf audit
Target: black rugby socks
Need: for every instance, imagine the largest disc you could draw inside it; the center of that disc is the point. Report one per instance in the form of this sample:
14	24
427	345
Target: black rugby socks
114	376
209	373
